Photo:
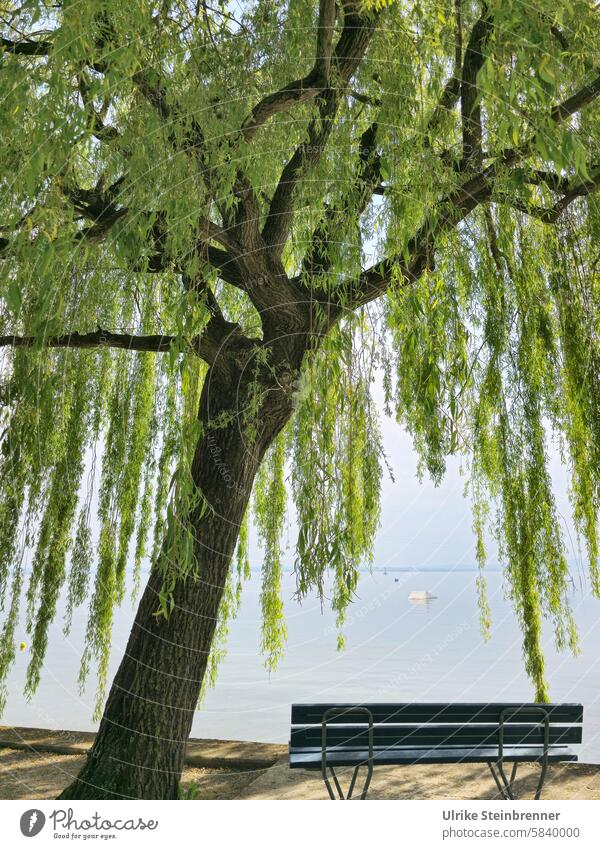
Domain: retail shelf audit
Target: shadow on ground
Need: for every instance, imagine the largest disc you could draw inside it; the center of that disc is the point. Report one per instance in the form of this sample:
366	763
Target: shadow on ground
455	781
42	775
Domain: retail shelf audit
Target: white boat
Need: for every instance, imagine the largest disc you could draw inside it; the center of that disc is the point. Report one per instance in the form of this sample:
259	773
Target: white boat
420	595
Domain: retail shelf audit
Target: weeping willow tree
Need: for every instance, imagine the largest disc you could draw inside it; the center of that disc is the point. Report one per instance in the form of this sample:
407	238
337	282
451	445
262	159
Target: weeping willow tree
219	223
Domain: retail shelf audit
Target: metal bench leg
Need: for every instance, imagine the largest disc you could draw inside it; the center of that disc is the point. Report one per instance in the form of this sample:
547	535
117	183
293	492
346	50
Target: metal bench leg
508	782
511	782
513	775
496	779
336	783
545	722
505	785
328	786
538	792
506	788
338	786
332	712
365	790
353	782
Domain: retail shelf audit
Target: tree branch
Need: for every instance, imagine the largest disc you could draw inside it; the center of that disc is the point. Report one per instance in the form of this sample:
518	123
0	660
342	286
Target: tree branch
305	88
584	96
549	215
102	131
553	181
574	103
325	28
101	208
98	339
349	51
374	281
470	108
26	47
451	91
192	143
208	345
224	264
316	260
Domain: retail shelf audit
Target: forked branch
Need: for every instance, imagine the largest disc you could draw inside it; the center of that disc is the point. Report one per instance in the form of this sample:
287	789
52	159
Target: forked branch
348	53
478	189
306	88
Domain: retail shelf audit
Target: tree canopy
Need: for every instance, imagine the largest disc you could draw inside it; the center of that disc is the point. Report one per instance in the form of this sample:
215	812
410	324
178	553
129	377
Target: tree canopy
419	176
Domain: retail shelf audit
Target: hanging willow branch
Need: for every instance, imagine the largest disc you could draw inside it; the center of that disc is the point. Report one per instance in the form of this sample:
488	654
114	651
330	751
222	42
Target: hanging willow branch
241	219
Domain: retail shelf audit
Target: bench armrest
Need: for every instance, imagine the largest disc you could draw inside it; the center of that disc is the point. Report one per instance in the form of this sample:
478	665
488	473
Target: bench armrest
333	712
510	712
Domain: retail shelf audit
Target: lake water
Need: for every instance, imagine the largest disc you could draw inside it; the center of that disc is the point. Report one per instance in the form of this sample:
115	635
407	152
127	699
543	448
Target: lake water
396	650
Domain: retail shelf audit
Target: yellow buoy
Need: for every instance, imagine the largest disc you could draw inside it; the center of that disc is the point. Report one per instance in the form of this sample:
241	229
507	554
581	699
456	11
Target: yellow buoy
23	646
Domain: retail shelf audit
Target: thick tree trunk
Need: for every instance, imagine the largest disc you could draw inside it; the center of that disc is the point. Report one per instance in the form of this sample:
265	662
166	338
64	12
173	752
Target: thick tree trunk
140	746
139	749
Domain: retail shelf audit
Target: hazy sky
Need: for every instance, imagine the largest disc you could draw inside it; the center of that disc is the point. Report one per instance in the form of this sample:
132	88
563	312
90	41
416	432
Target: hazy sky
428	526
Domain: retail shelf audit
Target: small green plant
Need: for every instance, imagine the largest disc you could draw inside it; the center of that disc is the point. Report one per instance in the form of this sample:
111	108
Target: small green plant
188	792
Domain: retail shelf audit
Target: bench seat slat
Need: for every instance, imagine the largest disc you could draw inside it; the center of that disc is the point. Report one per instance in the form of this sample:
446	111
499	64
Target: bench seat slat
404	755
414	713
432	735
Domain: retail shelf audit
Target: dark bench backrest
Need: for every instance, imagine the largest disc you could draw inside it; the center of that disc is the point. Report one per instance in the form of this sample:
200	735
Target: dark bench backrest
435	724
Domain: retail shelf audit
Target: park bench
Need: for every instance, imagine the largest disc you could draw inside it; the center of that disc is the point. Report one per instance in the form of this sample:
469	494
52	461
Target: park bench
328	736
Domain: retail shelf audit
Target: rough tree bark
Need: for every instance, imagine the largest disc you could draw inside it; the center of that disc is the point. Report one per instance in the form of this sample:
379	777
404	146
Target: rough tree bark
140	746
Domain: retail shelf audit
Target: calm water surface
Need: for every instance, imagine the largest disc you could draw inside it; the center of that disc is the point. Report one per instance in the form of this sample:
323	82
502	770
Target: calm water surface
396	650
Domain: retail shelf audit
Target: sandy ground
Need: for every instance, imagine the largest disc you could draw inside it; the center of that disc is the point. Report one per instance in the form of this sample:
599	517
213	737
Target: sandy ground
28	775
455	781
